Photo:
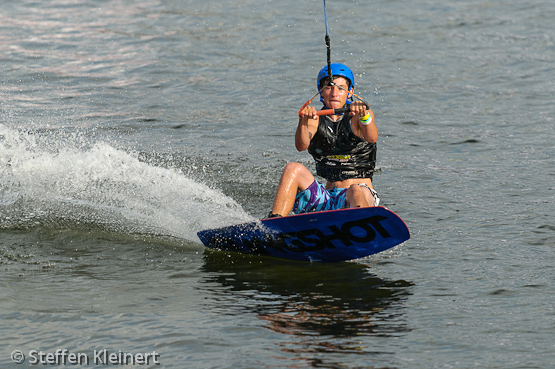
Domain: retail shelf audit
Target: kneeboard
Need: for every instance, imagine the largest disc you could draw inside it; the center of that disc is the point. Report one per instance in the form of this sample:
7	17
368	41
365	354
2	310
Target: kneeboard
327	236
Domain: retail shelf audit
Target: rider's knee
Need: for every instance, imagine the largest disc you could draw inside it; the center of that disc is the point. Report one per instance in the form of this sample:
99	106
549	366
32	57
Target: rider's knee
355	189
294	168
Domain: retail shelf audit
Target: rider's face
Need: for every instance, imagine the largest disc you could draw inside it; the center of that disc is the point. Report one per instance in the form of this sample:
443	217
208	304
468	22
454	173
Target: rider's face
335	96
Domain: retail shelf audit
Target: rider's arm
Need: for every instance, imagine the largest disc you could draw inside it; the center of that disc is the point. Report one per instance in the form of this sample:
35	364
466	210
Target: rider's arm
308	125
363	123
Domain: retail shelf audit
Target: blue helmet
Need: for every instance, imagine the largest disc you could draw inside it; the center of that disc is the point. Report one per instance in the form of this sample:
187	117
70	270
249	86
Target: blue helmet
337	69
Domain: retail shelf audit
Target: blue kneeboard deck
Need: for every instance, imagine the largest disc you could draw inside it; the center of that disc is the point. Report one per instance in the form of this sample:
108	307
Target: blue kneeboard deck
327	236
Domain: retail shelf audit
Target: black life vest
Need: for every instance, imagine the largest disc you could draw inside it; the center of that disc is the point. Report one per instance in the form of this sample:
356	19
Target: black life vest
339	153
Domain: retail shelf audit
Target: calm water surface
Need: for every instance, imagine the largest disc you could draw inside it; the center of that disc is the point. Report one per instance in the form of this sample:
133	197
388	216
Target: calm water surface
128	126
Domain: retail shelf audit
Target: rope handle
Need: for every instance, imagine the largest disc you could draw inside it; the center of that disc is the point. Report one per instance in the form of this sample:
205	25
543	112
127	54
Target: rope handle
342	110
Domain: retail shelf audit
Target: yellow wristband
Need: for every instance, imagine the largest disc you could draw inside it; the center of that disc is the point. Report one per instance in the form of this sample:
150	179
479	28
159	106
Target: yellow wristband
366	120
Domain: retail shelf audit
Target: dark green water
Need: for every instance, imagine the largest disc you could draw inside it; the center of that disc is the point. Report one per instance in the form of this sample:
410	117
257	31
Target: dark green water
128	126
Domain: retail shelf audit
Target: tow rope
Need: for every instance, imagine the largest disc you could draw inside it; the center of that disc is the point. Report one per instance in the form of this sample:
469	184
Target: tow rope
327	39
328	46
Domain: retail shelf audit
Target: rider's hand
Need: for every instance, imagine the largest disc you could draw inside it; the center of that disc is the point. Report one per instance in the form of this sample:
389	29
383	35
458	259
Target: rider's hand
358	108
308	113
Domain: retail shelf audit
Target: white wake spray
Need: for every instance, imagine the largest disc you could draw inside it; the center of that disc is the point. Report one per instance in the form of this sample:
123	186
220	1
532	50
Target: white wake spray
59	185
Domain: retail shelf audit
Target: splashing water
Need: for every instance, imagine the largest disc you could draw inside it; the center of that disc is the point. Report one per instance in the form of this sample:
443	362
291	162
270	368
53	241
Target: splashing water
49	183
